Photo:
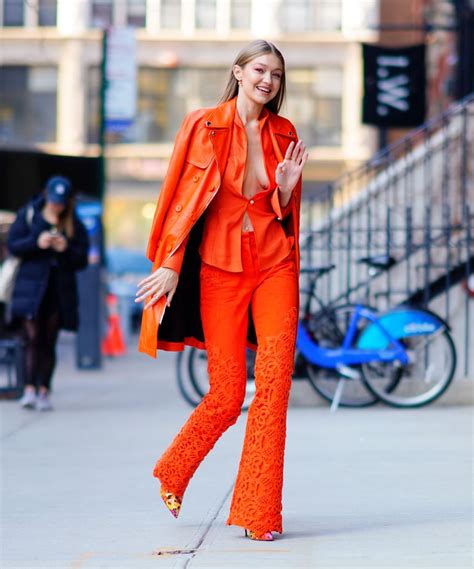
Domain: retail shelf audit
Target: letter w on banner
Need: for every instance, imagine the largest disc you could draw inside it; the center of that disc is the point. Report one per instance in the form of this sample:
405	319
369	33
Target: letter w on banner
394	86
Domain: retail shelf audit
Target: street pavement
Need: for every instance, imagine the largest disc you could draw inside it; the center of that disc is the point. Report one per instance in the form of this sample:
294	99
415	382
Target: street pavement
364	488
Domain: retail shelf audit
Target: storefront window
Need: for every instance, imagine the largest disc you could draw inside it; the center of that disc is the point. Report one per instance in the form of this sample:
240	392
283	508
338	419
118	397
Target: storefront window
27	105
13	13
47	12
127	221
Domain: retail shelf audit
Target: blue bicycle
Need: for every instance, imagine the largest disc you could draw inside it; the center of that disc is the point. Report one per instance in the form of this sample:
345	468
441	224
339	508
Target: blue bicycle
354	356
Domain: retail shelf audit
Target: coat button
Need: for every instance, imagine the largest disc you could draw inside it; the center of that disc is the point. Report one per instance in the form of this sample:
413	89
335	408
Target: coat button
279	218
213	133
195	178
213	189
169	248
208	123
252	202
290	133
178	207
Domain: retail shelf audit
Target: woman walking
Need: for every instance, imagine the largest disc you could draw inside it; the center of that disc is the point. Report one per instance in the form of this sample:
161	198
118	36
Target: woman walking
52	244
224	244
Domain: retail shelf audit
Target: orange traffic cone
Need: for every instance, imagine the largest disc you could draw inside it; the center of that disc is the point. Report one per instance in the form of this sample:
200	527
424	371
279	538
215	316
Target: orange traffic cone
113	344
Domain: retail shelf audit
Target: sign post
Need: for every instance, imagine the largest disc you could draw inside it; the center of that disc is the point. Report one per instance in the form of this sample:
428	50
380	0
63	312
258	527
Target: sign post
118	87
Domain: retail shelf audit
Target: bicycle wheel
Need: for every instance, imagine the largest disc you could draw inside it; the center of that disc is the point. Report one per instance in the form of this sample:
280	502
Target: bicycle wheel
328	328
199	377
185	385
424	379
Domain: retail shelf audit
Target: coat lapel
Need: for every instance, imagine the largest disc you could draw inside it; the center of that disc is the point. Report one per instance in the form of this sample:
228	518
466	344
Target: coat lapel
219	123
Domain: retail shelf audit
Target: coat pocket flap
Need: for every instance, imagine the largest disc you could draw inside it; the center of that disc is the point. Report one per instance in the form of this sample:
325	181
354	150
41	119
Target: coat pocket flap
199	160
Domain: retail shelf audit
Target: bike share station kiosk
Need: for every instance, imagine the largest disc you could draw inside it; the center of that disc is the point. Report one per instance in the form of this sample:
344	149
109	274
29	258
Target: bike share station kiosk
22	176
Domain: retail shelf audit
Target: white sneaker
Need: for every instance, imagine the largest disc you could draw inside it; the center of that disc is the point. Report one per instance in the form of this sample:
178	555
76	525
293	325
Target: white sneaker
28	401
43	403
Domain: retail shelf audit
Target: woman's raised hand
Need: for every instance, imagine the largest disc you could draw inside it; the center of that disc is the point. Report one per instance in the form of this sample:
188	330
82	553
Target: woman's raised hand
162	281
288	171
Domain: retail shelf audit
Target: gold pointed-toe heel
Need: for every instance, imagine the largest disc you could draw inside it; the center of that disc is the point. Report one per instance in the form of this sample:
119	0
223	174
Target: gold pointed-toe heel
265	536
172	502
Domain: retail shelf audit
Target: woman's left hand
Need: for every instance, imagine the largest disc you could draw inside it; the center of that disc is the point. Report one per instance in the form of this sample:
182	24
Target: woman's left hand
163	281
288	171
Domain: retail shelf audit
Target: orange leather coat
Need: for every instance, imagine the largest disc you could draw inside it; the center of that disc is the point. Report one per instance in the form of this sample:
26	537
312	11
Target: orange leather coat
192	180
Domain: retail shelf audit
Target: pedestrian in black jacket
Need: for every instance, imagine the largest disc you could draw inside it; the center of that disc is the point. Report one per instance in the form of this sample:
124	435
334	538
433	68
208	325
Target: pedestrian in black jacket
52	244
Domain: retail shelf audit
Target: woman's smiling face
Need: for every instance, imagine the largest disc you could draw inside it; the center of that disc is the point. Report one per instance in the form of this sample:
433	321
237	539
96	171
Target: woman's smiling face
261	78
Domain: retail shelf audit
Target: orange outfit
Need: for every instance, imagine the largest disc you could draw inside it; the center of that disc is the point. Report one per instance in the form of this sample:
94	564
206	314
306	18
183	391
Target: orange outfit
221	241
225	300
242	271
192	182
240	193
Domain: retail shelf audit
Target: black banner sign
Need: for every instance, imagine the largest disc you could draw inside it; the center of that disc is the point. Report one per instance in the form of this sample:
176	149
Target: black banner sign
394	86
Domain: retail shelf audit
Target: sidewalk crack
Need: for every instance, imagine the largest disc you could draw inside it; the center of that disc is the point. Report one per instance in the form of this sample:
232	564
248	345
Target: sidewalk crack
208	527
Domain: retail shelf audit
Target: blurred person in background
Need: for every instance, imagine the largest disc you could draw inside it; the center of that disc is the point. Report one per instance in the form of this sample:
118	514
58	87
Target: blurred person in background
52	244
224	244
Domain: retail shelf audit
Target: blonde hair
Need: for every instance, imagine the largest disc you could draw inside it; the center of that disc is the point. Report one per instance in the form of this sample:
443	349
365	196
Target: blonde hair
247	54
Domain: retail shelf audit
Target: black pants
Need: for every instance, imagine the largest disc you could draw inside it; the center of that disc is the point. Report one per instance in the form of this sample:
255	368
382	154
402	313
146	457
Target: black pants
41	334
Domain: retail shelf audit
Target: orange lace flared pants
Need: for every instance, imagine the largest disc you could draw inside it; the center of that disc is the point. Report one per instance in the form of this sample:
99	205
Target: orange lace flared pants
226	297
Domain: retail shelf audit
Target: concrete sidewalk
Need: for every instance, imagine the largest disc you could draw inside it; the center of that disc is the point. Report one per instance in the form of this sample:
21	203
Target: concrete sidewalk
363	488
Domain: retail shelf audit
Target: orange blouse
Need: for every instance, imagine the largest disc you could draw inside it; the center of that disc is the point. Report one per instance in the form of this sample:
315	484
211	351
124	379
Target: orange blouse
221	241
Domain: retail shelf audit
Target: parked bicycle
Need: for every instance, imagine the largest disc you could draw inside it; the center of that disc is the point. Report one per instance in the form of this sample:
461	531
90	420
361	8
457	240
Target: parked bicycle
404	357
354	356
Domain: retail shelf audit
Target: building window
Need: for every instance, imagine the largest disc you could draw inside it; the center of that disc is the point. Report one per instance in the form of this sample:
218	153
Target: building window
47	12
205	14
314	104
13	13
328	15
164	97
240	15
27	105
102	13
170	14
295	16
310	15
136	13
